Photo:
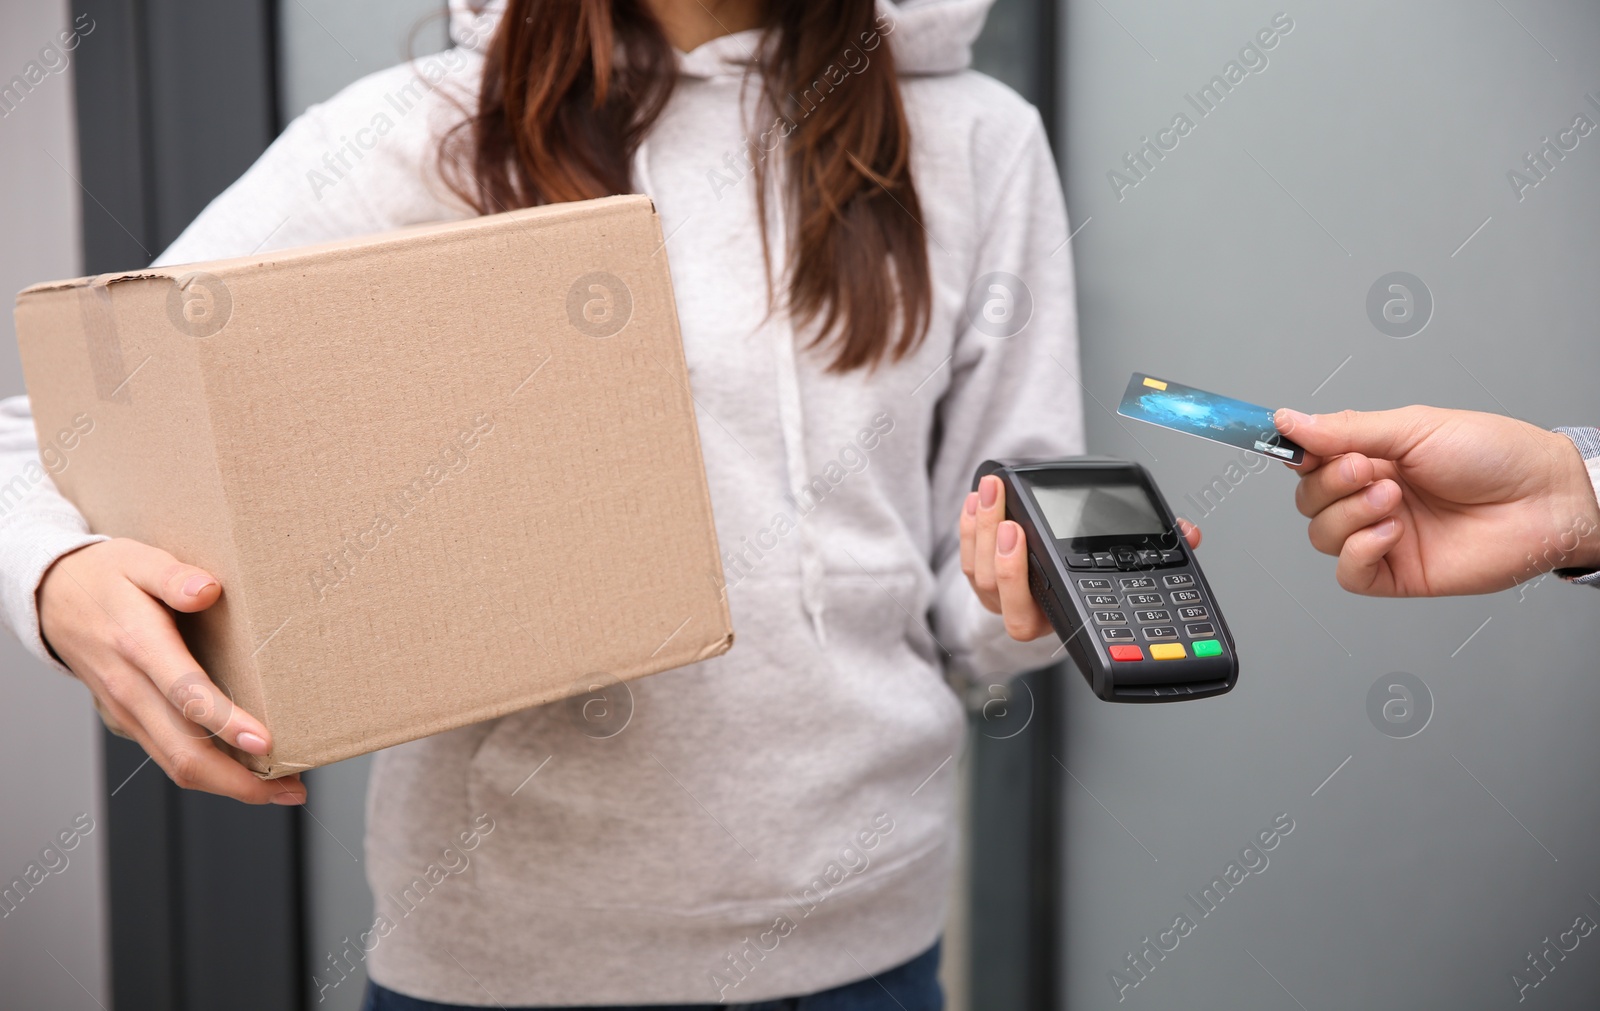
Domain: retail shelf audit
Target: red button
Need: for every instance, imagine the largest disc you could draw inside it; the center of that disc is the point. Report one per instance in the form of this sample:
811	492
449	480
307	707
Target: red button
1126	653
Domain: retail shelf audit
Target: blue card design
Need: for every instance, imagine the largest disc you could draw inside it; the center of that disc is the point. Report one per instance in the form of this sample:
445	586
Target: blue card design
1195	412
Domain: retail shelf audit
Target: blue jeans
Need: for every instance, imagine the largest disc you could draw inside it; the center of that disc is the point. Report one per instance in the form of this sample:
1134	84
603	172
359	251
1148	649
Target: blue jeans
913	986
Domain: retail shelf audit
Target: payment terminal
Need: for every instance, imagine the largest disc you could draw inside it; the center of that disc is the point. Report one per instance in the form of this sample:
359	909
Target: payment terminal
1121	587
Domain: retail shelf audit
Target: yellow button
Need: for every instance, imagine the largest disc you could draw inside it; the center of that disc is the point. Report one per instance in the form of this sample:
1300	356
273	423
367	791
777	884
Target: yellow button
1167	651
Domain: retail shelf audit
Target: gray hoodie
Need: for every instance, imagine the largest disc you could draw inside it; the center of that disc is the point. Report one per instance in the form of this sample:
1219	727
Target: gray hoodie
780	819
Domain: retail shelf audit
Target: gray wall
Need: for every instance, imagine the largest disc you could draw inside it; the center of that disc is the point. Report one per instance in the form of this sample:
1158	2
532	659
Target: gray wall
326	44
1377	139
53	944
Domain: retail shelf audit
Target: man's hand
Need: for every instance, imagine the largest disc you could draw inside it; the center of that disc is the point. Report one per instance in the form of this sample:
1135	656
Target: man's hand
994	556
1426	502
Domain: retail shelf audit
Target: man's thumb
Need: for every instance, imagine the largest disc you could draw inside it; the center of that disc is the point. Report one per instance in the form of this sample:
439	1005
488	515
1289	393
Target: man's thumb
1386	435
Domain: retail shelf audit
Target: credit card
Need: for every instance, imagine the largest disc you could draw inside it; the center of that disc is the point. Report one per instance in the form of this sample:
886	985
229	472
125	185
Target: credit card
1208	415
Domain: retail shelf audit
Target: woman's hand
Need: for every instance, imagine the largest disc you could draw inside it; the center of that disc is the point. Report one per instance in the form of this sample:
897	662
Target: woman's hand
1424	502
101	610
994	556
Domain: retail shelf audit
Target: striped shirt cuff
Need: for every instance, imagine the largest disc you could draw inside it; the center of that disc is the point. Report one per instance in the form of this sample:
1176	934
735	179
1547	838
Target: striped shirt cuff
1588	442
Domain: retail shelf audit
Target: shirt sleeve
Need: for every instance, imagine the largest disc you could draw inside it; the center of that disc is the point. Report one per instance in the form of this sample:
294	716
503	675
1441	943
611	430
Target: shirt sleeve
1588	442
37	525
1013	392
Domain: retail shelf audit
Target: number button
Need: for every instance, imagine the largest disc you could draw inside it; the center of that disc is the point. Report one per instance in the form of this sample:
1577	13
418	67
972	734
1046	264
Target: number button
1110	618
1094	584
1144	599
1192	613
1185	596
1161	632
1181	579
1139	583
1103	600
1151	617
1116	634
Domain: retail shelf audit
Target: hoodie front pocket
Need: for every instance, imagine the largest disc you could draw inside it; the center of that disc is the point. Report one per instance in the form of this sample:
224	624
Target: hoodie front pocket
726	783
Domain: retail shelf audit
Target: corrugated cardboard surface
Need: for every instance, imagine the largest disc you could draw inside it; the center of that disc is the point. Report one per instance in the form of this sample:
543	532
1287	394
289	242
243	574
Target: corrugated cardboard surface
443	474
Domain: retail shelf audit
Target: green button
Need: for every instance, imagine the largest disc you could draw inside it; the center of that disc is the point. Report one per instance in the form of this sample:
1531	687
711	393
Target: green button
1208	647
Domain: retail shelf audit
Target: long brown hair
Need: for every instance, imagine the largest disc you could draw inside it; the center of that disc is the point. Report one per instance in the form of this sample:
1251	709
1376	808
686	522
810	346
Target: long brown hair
571	88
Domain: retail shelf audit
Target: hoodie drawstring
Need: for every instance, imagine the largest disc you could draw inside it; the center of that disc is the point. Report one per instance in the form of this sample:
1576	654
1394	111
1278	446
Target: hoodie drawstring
641	171
791	419
791	416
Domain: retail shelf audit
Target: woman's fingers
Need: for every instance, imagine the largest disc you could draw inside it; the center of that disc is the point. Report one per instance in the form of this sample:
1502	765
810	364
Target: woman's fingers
149	640
1363	563
179	586
969	534
1024	619
991	511
994	556
104	609
112	715
202	709
188	758
1190	532
1332	526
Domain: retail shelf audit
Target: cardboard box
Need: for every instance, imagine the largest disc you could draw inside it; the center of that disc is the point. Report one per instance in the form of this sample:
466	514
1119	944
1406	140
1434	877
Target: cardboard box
443	474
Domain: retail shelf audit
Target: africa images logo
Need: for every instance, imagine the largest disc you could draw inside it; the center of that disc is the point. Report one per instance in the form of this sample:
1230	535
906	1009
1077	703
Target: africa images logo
599	304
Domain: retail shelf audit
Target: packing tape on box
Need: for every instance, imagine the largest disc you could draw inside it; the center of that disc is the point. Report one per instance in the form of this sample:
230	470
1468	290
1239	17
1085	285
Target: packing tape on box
104	343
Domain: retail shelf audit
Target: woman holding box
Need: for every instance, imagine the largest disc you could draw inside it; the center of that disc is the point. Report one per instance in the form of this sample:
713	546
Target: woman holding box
869	251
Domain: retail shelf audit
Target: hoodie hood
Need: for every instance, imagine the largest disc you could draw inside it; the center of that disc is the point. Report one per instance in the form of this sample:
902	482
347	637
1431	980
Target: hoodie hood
929	36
